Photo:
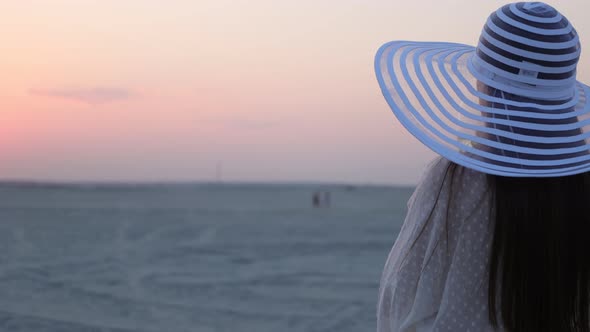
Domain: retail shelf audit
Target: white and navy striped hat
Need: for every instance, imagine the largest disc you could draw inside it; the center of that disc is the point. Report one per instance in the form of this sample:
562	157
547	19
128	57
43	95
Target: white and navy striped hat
510	106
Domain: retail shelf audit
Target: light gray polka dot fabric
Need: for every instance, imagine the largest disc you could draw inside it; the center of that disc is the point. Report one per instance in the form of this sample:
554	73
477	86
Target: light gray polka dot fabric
435	278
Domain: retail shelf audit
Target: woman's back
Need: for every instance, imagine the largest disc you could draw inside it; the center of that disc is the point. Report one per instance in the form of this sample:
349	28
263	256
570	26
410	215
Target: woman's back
436	275
470	239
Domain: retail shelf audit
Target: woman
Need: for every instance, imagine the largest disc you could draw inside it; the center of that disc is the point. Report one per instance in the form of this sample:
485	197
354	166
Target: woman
497	231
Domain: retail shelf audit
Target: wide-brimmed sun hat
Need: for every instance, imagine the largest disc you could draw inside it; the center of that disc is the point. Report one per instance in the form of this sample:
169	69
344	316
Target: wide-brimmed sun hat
510	106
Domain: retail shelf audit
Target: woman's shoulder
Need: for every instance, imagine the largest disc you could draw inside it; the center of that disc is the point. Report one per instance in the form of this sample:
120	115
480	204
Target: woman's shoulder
443	180
441	170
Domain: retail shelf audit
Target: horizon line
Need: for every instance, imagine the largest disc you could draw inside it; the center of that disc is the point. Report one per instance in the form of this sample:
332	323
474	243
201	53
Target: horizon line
147	183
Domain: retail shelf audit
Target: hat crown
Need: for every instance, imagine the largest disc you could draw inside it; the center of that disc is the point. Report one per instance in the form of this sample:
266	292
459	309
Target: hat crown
529	45
539	9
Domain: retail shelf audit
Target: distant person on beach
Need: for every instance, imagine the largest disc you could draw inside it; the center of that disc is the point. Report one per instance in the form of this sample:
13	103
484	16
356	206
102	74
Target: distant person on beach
496	236
321	199
316	199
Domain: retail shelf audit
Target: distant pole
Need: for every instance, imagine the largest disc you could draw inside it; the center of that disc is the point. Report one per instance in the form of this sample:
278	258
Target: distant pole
219	172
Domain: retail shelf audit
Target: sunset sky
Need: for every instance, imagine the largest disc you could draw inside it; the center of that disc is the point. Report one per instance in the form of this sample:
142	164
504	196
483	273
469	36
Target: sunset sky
273	90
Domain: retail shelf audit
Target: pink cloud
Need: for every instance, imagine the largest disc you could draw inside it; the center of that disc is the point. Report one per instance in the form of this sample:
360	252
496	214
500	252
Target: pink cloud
98	95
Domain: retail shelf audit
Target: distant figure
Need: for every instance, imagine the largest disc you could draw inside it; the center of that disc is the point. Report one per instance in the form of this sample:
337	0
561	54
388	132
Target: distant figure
316	199
321	199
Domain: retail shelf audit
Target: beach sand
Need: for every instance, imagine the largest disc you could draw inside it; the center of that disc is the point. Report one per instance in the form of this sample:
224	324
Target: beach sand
203	258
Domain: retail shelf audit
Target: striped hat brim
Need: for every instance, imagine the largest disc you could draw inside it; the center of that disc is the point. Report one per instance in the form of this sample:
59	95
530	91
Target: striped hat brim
435	90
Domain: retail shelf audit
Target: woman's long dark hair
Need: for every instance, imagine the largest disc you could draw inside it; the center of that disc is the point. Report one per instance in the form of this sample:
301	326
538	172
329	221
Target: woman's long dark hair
540	255
539	273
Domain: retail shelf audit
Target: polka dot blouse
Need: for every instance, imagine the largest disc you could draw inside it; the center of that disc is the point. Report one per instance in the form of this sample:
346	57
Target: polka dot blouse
435	278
